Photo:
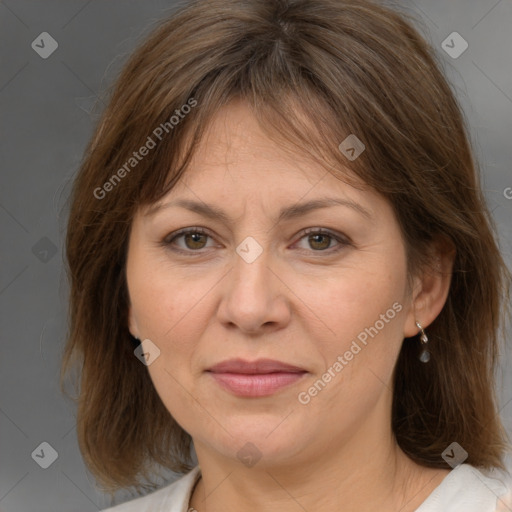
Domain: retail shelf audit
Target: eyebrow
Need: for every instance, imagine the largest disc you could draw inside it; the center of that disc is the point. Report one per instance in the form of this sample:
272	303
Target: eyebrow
287	213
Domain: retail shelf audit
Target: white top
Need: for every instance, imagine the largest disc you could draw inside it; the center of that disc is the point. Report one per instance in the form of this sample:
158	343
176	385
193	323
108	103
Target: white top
464	489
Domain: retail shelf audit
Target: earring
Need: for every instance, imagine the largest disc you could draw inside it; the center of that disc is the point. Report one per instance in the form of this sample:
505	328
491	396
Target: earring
425	354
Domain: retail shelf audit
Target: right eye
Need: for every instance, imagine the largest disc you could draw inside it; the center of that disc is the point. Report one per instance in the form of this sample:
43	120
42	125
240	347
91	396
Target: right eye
194	239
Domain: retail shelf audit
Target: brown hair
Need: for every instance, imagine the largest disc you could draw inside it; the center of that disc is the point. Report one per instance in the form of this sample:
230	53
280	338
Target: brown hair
313	73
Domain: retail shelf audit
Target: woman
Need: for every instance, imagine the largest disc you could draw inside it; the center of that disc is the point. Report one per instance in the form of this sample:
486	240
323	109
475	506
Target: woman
281	210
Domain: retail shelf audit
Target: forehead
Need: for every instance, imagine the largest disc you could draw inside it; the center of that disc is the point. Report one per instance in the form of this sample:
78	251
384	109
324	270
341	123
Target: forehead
234	139
235	150
237	164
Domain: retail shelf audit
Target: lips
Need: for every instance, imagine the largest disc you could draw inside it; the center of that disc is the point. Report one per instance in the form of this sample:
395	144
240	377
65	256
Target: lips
257	378
260	366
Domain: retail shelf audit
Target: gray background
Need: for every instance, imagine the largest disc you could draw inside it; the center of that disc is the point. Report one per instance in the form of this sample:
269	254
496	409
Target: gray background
47	111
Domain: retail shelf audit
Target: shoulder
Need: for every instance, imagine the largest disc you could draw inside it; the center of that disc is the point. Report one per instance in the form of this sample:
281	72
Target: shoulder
469	489
171	498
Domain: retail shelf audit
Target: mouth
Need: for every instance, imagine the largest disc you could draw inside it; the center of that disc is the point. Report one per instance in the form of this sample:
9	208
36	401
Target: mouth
259	378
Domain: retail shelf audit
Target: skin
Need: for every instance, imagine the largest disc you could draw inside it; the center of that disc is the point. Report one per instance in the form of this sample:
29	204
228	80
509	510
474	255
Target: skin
300	302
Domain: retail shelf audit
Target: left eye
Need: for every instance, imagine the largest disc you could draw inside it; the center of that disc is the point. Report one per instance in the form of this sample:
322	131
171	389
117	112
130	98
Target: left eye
195	239
323	238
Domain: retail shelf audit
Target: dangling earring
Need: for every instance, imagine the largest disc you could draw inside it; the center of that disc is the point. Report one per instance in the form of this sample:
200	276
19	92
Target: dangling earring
425	354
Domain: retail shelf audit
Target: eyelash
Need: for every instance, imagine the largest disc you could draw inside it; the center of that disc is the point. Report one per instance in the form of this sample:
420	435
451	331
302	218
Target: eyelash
168	242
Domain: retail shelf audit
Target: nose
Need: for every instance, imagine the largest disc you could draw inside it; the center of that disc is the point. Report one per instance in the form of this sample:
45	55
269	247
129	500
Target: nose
254	297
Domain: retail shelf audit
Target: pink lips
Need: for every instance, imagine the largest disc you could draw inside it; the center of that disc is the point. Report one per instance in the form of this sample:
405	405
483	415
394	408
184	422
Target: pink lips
262	377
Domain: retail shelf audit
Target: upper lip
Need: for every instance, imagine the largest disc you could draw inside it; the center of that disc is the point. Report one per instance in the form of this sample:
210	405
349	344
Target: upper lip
260	366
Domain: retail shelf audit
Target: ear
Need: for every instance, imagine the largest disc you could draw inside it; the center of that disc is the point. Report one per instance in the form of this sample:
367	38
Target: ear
431	287
132	323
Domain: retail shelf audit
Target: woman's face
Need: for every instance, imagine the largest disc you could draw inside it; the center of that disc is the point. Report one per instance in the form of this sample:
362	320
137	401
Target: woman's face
256	285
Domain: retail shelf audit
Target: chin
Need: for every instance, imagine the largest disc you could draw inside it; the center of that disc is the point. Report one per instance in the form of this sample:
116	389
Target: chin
263	442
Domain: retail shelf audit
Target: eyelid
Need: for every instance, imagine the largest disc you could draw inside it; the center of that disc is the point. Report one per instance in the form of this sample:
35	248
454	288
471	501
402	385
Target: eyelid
171	236
340	237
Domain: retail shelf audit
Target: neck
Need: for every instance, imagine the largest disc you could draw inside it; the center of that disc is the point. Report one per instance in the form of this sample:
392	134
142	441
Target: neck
364	480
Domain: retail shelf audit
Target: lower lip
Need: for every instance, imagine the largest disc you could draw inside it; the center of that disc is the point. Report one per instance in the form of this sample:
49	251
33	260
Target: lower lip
264	384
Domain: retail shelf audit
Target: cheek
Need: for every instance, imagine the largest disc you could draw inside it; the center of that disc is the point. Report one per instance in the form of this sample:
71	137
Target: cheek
168	310
365	318
163	298
362	311
356	297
